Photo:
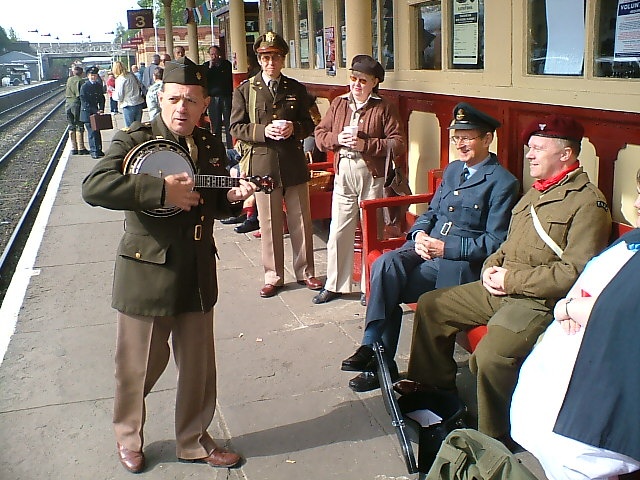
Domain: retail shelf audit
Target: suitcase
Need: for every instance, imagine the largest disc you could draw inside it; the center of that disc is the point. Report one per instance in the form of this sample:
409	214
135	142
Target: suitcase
445	405
101	121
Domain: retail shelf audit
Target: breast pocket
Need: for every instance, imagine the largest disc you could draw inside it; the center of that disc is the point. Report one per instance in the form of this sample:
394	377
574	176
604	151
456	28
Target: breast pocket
556	224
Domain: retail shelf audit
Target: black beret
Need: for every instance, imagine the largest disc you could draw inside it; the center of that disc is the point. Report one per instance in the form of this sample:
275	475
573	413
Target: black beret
271	43
554	126
466	117
93	70
184	72
368	65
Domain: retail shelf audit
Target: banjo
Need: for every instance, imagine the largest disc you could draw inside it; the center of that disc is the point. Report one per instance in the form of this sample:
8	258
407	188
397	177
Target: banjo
161	158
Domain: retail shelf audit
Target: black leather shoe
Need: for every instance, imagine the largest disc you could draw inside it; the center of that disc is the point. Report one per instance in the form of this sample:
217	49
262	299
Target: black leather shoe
364	360
232	220
325	296
83	151
249	225
368	381
100	154
74	152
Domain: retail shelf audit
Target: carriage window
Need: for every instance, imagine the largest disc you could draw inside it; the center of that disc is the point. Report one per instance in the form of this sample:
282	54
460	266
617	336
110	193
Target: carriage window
617	42
556	37
467	26
342	32
428	18
303	26
382	29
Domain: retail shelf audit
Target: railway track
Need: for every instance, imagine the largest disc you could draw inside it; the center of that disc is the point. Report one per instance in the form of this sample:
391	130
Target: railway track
31	142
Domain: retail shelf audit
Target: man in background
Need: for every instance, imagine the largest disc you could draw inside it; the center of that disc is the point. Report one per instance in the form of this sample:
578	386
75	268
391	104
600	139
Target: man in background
220	79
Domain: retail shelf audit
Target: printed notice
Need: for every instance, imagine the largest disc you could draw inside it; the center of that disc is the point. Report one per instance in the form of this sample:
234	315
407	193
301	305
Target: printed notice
465	32
627	42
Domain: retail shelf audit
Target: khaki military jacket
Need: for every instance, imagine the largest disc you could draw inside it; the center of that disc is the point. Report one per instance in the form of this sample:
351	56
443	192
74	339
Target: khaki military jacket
284	160
164	265
72	90
574	213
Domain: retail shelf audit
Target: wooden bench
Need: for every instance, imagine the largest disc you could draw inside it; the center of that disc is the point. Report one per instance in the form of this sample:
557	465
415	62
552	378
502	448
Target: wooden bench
373	246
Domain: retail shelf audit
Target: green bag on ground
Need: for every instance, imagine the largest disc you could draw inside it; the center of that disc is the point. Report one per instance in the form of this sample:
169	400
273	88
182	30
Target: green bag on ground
470	455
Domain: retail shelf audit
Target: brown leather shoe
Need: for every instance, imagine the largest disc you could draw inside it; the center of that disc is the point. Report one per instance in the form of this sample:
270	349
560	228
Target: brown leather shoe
219	457
269	290
132	461
312	283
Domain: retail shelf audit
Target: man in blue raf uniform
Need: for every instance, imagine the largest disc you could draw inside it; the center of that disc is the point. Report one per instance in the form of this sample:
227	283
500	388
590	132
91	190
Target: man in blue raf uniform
270	113
92	101
466	221
165	281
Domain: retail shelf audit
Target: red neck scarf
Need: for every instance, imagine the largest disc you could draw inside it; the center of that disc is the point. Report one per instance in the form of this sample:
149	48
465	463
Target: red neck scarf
543	185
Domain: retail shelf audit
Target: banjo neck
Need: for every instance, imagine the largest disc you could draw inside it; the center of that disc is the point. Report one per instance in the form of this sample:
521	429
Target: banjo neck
215	181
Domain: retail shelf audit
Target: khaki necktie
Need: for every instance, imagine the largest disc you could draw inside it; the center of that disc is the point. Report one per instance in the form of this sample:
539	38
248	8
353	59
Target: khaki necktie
273	87
192	147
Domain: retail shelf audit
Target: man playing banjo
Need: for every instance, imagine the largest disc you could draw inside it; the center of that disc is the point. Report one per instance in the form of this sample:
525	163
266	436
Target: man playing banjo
165	275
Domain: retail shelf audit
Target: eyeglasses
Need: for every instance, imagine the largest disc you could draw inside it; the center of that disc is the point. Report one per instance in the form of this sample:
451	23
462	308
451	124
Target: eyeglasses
266	58
463	140
361	81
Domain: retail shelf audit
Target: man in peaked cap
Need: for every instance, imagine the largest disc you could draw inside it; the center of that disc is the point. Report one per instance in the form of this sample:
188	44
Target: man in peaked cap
557	226
270	113
466	222
165	275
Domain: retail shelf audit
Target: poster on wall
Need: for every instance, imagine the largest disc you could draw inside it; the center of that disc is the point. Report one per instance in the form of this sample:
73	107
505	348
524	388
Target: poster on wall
465	32
330	50
343	43
627	43
319	52
304	42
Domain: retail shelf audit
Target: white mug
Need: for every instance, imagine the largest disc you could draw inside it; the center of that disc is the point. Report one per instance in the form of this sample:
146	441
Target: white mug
279	123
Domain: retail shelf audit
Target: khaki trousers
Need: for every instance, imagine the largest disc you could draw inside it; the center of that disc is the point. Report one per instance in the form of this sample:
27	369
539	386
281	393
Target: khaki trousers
296	199
142	354
353	183
514	322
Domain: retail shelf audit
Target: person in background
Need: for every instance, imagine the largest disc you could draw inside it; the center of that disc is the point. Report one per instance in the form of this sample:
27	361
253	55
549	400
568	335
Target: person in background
136	71
92	101
179	52
220	78
575	405
147	75
276	150
111	87
72	110
165	284
467	220
556	227
362	129
128	93
153	103
164	58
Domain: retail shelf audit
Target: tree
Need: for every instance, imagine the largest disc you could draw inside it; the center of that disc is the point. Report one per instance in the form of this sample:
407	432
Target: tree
5	42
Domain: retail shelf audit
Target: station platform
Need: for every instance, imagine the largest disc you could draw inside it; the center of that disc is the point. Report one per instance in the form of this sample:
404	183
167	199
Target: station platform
283	402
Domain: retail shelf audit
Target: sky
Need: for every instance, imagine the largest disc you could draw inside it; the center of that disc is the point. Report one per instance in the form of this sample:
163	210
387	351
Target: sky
63	18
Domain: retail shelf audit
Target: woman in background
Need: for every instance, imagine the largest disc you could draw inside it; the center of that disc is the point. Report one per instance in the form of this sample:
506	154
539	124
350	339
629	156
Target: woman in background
152	94
128	93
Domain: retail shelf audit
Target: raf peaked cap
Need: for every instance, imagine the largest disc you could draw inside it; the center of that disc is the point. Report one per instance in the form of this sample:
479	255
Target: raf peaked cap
93	70
184	72
554	126
368	65
466	117
271	43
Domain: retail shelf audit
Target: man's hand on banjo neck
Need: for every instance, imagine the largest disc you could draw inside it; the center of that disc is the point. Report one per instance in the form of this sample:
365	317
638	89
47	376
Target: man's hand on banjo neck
178	191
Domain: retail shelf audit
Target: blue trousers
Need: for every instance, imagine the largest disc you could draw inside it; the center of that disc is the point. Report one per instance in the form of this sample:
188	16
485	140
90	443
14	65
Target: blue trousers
398	276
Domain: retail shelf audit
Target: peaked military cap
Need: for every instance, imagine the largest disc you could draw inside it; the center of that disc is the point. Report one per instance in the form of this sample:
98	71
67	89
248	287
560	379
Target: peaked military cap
184	72
466	117
554	126
93	70
367	64
271	42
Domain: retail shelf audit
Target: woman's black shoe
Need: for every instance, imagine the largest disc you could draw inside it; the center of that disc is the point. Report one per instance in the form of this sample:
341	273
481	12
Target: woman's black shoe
325	296
368	381
249	225
232	220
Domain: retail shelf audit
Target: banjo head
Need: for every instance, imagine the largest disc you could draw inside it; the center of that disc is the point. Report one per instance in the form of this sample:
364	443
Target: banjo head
159	158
